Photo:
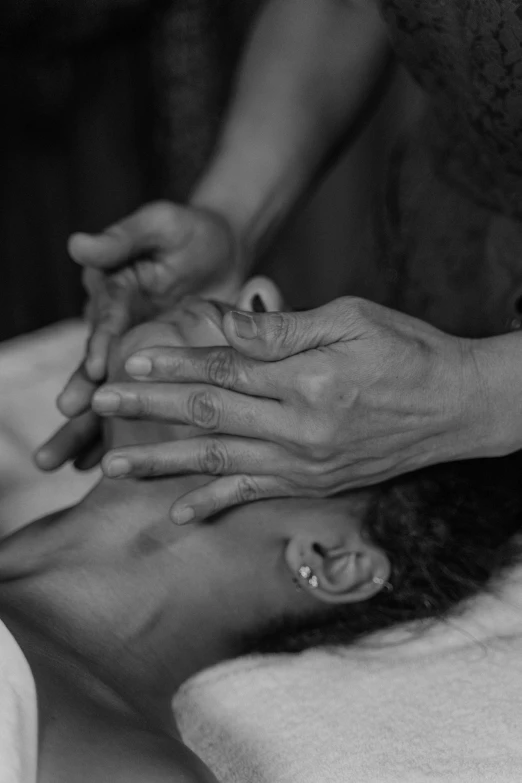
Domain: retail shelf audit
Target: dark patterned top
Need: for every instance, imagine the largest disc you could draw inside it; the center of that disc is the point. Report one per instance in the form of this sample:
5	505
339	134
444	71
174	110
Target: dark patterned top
455	189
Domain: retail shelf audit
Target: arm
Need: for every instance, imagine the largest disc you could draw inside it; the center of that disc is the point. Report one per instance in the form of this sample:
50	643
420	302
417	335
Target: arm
306	74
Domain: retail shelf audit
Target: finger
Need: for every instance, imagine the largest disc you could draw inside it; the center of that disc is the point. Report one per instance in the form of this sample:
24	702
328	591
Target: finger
224	493
109	323
143	232
275	336
90	457
221	366
206	407
69	441
97	356
208	455
77	393
99	346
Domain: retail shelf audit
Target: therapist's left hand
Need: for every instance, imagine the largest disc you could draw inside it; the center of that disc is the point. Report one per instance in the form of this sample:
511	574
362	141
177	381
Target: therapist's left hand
316	403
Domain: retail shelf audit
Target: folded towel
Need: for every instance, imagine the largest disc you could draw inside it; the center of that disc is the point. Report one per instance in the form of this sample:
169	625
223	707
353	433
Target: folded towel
18	714
444	706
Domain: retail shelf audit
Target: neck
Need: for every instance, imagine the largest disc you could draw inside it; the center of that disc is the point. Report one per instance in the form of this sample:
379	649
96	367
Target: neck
107	590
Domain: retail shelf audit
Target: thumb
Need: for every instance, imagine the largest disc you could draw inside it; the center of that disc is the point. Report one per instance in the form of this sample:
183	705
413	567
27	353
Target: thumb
274	336
141	233
113	248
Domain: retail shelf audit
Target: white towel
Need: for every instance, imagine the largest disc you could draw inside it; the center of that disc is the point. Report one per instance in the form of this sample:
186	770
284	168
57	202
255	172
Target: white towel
443	707
18	714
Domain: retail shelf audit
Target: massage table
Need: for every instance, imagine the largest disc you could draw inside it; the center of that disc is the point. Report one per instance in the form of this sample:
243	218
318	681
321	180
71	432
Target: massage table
445	705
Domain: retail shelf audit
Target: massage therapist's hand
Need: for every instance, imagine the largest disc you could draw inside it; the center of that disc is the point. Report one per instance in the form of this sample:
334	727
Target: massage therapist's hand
310	404
133	270
147	263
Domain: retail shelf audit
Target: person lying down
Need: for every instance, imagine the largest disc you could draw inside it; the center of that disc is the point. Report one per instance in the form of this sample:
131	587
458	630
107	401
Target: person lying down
115	607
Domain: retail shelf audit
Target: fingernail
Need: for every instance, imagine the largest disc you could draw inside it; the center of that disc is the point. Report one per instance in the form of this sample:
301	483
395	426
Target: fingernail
139	365
117	467
183	515
106	401
245	326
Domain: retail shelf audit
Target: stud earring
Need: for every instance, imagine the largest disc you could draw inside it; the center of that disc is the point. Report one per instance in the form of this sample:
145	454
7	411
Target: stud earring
305	572
378	580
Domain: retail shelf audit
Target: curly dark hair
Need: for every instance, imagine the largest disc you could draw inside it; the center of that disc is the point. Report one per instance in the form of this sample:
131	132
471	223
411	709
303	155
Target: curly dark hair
449	531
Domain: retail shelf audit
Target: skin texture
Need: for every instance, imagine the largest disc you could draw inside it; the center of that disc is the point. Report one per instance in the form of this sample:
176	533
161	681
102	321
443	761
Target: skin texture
115	607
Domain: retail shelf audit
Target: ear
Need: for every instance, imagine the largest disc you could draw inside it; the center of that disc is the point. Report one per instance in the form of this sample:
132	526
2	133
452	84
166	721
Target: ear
260	294
349	571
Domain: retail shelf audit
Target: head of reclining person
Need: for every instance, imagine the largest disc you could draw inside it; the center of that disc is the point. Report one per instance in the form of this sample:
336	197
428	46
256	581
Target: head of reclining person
146	604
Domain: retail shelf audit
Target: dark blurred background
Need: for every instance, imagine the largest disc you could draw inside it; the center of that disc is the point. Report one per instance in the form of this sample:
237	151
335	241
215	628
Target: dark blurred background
109	103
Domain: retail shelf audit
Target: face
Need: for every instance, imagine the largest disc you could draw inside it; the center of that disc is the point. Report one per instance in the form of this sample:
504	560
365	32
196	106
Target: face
130	541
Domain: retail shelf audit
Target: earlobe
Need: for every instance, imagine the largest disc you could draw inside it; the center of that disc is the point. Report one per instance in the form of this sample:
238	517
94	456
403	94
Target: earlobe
260	294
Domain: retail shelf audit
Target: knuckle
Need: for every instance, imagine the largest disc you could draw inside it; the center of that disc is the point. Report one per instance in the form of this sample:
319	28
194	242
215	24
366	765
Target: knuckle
150	465
221	368
317	386
318	440
317	474
281	328
358	310
139	406
166	366
214	459
354	304
204	410
247	490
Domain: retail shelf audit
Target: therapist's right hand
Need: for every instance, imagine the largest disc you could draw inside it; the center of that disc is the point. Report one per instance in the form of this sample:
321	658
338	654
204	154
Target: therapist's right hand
148	262
133	270
140	266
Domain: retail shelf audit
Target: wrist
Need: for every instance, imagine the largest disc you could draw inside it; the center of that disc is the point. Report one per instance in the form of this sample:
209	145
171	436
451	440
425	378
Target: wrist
253	189
216	193
460	425
496	364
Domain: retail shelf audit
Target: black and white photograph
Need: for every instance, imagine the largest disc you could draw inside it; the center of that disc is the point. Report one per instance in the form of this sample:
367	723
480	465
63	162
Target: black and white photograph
261	391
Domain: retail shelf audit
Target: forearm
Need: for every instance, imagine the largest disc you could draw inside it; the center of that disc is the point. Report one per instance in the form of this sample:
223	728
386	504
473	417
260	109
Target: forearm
308	70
